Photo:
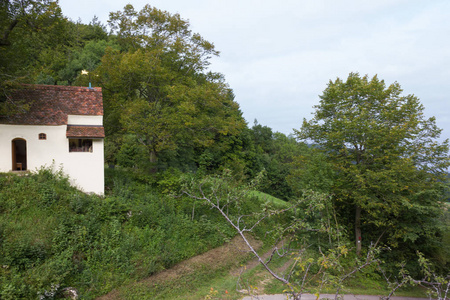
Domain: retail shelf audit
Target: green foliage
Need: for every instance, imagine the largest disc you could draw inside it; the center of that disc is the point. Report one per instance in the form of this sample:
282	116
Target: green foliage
311	171
295	230
263	197
39	45
388	167
158	90
28	28
434	284
274	153
170	181
130	153
53	236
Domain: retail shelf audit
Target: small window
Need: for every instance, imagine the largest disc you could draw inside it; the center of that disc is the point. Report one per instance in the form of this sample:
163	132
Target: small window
42	136
80	145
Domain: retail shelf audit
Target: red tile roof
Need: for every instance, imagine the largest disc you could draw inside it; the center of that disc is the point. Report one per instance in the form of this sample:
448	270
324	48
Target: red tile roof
50	104
76	131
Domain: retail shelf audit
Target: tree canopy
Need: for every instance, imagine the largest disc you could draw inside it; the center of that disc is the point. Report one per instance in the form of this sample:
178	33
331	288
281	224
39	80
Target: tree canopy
27	29
38	45
159	77
386	155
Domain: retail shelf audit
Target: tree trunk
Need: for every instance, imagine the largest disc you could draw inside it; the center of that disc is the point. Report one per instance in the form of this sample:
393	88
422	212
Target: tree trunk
358	230
153	161
4	39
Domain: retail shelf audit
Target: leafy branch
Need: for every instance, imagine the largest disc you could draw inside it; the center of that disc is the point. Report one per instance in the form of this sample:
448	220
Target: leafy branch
227	197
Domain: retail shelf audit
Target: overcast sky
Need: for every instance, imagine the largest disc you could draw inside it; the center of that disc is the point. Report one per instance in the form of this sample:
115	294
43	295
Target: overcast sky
278	55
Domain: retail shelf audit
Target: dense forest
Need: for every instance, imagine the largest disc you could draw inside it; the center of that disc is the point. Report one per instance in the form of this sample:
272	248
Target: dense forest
367	169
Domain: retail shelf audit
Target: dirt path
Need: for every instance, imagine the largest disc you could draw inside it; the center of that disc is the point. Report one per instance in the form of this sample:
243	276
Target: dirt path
229	254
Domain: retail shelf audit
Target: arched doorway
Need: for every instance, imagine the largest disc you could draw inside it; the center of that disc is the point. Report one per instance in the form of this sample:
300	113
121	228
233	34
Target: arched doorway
19	155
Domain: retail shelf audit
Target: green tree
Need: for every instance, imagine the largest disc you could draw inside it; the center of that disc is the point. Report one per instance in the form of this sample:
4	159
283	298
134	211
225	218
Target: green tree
26	29
83	49
39	45
311	171
388	163
31	14
158	88
273	152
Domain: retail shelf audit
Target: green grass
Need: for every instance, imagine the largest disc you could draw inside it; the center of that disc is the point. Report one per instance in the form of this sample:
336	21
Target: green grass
220	284
357	285
191	280
51	233
193	286
263	197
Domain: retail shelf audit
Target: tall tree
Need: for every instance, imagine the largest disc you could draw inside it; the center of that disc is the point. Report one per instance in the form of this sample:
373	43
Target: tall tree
388	162
158	88
27	28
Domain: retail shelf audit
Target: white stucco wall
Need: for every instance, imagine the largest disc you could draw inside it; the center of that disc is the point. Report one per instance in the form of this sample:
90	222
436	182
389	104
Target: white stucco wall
84	120
85	169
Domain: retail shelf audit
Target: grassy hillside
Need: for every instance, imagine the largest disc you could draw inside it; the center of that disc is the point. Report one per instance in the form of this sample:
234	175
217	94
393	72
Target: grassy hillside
53	236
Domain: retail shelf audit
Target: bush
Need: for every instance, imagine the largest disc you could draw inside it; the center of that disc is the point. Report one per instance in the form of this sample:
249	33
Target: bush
53	236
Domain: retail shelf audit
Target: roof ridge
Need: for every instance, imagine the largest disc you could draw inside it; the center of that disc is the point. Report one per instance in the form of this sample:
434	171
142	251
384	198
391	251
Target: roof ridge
62	87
